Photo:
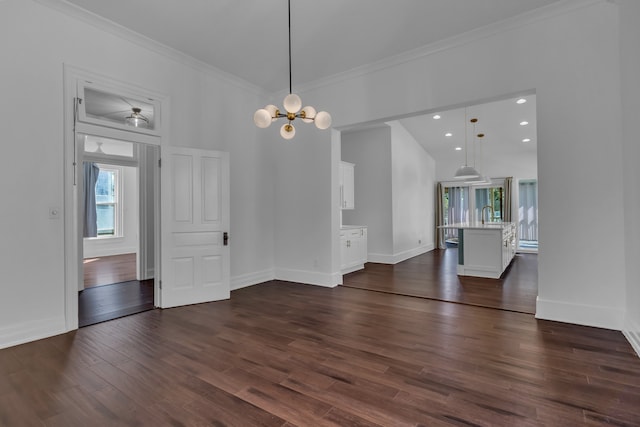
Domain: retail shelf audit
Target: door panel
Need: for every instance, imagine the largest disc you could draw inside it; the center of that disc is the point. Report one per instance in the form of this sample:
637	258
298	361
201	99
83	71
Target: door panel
195	214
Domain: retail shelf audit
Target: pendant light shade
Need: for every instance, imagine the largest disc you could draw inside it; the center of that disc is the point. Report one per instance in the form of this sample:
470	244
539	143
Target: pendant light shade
262	118
136	119
292	108
292	103
287	131
466	172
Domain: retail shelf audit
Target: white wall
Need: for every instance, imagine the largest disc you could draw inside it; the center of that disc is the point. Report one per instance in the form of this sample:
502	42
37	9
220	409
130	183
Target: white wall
128	242
413	176
394	191
306	221
630	70
571	60
370	151
207	110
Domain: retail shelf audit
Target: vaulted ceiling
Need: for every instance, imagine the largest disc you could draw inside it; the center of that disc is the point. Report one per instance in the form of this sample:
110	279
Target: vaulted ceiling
248	38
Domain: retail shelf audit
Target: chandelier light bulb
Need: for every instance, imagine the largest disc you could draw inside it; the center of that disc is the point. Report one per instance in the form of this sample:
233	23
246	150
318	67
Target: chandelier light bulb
323	120
273	111
287	131
262	118
309	114
292	103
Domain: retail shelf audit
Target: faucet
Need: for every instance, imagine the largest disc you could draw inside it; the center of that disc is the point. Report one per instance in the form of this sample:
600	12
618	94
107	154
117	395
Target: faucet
492	213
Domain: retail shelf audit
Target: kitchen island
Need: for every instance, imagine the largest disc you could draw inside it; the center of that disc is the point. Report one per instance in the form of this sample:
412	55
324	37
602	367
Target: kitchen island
484	250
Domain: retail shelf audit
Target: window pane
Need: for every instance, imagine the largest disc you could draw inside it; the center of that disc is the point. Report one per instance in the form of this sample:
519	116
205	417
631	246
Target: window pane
105	187
106	219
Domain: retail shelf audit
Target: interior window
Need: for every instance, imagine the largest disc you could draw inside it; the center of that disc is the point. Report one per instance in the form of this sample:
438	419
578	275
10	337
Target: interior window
107	201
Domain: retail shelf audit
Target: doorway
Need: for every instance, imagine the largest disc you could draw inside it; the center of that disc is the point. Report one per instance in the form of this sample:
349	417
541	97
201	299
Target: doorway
117	260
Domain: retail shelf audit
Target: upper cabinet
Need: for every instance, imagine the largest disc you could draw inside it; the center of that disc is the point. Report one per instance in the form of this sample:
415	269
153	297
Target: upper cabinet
347	185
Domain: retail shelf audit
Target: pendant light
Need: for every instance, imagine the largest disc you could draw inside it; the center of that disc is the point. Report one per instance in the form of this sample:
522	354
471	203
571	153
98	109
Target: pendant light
481	179
136	119
466	171
292	108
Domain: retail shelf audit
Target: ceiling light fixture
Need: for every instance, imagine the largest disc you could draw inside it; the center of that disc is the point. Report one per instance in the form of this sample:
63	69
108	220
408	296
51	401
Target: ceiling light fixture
526	140
524	123
448	134
466	171
521	101
458	148
136	119
292	106
482	179
436	117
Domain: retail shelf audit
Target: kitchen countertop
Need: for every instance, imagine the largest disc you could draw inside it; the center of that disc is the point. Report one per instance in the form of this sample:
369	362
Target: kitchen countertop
352	227
478	225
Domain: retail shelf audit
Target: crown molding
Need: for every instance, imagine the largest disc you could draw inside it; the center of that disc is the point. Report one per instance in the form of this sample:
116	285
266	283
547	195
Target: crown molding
124	33
519	21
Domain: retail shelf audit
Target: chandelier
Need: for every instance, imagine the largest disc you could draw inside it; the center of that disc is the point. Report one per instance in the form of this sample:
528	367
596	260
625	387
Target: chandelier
292	108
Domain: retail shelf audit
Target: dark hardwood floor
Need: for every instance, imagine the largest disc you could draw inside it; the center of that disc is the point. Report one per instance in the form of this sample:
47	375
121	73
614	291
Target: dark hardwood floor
285	354
433	275
107	302
111	290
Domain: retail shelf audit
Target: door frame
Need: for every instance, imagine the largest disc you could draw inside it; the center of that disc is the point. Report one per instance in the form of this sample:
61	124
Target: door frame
72	165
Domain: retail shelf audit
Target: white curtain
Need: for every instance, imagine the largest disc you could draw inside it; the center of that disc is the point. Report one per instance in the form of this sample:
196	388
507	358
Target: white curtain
458	210
440	241
91	172
528	211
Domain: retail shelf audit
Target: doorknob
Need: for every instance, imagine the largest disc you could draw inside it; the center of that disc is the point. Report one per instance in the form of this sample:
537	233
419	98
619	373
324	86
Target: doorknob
225	238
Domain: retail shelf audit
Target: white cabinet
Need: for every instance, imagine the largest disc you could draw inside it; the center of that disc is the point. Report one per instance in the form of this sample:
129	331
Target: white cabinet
353	248
347	188
486	250
508	245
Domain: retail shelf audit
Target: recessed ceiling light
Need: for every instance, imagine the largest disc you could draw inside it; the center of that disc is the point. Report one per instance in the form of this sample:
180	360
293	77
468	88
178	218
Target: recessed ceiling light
524	123
526	140
458	148
521	101
448	134
436	117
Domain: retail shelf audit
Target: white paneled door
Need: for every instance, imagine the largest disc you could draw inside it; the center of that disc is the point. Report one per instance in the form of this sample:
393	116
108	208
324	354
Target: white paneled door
195	222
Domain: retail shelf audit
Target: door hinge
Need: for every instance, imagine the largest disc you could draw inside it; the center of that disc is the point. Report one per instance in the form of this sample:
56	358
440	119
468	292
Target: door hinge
160	284
159	163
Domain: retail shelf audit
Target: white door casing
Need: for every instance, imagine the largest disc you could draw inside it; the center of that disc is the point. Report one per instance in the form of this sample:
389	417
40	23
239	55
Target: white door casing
195	218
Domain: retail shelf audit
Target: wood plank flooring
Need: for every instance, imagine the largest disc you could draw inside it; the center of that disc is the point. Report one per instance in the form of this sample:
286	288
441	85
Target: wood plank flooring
107	302
109	269
285	354
433	275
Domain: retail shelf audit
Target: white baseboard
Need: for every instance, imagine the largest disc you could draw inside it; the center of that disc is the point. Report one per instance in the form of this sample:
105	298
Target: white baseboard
250	279
587	315
31	331
329	280
399	257
632	334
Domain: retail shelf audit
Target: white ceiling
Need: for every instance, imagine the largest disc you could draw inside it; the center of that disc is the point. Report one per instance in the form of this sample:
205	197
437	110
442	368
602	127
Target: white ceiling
499	153
248	39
